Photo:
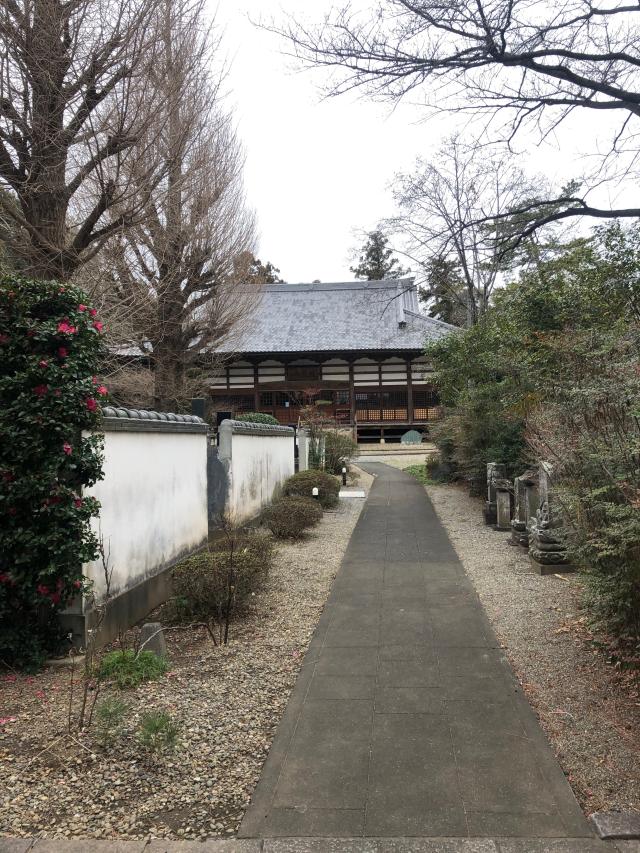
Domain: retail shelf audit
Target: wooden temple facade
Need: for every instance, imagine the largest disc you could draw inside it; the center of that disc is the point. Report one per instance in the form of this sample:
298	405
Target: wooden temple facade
354	348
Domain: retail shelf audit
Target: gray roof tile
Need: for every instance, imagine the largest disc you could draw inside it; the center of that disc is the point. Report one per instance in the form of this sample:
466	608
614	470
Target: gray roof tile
353	315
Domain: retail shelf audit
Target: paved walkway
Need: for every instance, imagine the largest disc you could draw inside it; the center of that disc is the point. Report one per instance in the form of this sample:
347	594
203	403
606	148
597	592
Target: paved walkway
406	720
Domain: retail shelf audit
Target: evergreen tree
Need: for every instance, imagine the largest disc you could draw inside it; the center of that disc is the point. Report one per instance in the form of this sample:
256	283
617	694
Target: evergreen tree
251	270
445	294
376	261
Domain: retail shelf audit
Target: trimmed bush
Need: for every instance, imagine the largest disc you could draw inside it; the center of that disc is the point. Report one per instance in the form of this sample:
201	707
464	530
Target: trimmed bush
50	349
339	450
303	483
129	670
206	583
257	418
289	517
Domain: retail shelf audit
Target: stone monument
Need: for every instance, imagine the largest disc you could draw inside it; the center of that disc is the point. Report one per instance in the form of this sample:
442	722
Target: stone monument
495	471
503	504
547	548
521	484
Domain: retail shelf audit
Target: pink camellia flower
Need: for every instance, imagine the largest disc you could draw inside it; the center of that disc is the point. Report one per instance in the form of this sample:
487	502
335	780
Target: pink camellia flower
65	327
77	584
4	339
102	390
30	333
55	597
67	448
63	352
82	307
93	312
77	503
8	476
4	577
91	404
43	589
40	390
98	326
43	363
11	677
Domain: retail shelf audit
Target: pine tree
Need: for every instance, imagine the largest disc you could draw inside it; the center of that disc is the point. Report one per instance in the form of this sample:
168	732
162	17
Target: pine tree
376	261
445	294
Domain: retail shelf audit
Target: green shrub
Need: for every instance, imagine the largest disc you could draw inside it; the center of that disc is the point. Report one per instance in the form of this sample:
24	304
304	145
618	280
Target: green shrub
420	473
203	582
289	517
257	418
339	450
304	482
158	731
50	349
129	670
109	716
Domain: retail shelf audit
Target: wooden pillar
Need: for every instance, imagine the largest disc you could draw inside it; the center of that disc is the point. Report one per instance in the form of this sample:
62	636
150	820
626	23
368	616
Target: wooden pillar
352	401
410	417
256	391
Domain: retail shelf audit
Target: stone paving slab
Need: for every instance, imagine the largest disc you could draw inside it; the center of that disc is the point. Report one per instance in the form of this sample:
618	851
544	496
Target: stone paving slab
407	722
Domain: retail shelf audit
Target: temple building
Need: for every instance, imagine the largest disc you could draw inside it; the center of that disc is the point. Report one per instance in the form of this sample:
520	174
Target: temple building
356	348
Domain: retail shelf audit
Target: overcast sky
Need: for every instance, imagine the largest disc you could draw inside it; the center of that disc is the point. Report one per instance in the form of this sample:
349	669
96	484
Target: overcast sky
318	171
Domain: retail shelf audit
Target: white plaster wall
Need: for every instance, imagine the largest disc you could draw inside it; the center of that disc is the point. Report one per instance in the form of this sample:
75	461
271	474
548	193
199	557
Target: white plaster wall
153	504
259	466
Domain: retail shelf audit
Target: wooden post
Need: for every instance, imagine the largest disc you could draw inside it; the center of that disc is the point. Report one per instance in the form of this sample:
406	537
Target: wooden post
410	417
352	399
256	392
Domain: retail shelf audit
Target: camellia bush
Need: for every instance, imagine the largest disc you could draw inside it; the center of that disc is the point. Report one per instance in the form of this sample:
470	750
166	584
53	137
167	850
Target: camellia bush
50	347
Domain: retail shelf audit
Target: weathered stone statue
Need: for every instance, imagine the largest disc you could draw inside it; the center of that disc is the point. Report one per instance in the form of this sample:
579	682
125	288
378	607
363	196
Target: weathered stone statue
527	482
495	471
547	549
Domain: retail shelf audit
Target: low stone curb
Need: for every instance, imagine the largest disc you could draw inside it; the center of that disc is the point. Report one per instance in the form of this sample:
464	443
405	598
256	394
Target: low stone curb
618	825
323	845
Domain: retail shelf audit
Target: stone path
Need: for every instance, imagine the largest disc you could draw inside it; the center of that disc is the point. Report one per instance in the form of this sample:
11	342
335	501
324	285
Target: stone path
406	720
406	731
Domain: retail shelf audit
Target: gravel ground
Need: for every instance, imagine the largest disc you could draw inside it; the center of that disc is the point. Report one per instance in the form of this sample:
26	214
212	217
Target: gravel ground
398	460
228	702
589	709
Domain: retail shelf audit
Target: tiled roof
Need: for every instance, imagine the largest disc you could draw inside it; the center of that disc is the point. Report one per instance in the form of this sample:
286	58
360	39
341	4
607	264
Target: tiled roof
351	315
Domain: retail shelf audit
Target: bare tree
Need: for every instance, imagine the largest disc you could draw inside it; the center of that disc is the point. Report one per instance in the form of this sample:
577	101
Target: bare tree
451	209
171	276
72	108
529	61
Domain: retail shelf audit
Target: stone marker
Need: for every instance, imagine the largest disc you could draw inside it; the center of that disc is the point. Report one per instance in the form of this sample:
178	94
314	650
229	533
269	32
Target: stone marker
547	548
503	504
152	639
495	471
519	533
411	437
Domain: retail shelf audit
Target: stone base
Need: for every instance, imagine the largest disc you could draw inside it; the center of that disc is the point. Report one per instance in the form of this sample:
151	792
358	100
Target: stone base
490	513
551	568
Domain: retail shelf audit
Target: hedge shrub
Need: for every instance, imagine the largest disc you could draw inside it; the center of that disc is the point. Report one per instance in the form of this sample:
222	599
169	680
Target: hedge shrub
289	517
339	450
303	483
201	583
50	347
257	418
